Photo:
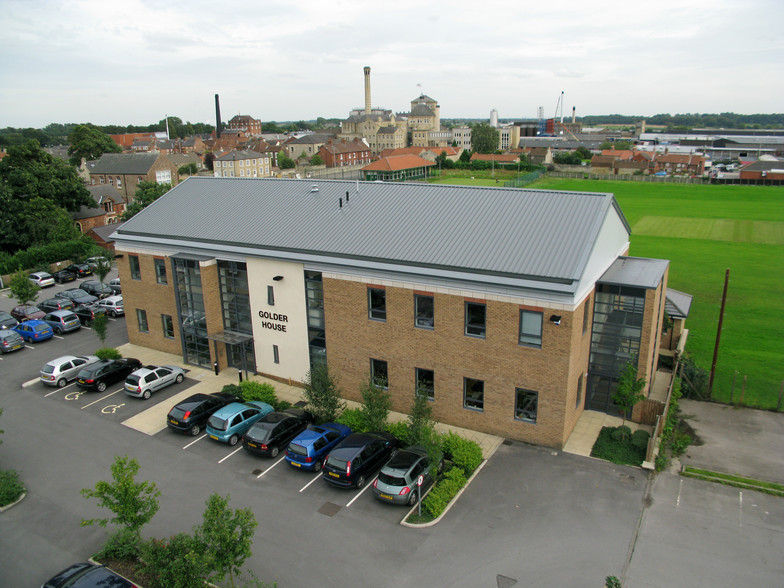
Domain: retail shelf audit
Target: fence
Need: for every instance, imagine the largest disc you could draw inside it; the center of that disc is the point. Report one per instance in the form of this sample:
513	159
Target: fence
653	441
626	178
524	180
336	173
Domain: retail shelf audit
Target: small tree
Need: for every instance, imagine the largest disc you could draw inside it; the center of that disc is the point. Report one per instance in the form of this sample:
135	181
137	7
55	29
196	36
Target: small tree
133	503
22	289
100	327
316	160
285	162
102	269
226	536
323	393
419	421
376	403
629	390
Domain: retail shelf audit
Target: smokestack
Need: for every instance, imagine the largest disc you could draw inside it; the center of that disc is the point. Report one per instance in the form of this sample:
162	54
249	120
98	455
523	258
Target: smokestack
367	90
217	117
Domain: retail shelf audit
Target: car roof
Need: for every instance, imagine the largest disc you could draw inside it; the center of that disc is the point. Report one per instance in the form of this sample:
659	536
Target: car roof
405	458
356	441
61	312
8	333
34	322
231	409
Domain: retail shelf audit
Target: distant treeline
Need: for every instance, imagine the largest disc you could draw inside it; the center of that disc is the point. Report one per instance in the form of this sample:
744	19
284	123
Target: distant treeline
726	120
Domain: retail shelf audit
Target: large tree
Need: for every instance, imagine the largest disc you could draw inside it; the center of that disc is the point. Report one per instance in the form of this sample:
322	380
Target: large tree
89	142
146	193
484	138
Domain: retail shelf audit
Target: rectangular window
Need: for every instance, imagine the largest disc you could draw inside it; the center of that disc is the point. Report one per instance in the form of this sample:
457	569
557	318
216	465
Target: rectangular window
425	382
163	176
377	304
160	271
379	373
275	354
119	182
579	391
136	272
531	328
271	295
168	326
526	402
141	317
586	309
475	319
423	311
473	394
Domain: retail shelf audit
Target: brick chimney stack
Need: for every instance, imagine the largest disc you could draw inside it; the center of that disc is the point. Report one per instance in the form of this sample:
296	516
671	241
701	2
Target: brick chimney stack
367	90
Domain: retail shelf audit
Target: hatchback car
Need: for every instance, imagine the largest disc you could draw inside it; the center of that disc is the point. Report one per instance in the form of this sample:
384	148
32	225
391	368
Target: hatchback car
95	288
80	269
93	262
27	312
41	279
115	285
274	431
308	449
10	341
62	370
99	375
7	321
397	480
78	296
113	305
52	304
63	321
151	378
88	575
357	458
63	276
191	415
34	330
233	420
88	312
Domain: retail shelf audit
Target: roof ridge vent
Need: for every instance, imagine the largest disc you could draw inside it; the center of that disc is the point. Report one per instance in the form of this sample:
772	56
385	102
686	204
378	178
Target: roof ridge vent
314	188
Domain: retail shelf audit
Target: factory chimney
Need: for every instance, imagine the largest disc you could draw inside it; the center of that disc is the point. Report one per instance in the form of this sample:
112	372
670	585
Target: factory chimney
367	90
217	117
574	114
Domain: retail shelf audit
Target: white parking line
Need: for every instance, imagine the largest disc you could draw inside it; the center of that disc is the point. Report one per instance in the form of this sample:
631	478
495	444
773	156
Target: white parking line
368	485
29	383
196	441
230	454
102	398
58	337
269	468
305	487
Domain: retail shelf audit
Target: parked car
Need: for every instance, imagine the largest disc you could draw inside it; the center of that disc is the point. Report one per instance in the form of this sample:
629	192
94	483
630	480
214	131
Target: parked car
113	305
78	296
94	261
357	458
10	341
42	279
308	449
233	420
88	575
62	321
34	330
62	370
151	378
397	480
64	276
115	285
27	312
80	269
7	321
88	312
95	288
272	432
99	375
191	415
52	304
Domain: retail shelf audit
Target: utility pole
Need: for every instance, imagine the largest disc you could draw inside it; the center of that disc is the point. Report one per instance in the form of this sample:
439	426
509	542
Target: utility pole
718	332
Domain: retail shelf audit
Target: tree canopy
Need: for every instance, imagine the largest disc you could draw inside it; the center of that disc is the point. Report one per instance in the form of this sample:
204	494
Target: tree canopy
146	193
89	142
484	138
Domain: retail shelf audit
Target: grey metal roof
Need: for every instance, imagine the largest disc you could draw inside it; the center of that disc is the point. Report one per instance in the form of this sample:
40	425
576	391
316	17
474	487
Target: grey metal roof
105	231
544	235
677	304
639	272
124	163
236	155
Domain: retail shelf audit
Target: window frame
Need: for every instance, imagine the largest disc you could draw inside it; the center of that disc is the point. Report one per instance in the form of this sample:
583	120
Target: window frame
517	410
270	295
430	392
467	325
530	342
375	364
419	317
374	313
586	309
135	267
466	381
141	320
164	318
275	354
160	271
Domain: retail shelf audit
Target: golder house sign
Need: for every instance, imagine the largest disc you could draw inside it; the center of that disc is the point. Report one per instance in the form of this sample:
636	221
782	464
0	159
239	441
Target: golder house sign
273	321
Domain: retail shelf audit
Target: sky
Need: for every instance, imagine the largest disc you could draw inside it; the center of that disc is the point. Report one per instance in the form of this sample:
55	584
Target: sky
137	61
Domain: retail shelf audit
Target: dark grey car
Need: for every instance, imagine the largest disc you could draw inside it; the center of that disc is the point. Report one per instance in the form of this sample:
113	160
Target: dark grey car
397	480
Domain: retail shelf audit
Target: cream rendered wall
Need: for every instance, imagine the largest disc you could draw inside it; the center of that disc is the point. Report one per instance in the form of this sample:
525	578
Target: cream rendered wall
613	240
289	303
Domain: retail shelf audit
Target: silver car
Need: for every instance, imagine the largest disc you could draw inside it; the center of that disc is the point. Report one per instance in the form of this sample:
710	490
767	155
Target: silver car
151	378
63	321
62	370
113	305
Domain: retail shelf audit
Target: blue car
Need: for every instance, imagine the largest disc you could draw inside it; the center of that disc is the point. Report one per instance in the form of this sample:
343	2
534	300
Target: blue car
231	422
308	450
34	330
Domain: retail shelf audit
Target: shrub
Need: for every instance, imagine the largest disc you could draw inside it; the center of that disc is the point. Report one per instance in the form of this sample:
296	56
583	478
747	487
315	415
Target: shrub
232	389
124	544
400	430
45	254
177	563
261	391
323	392
640	439
679	442
353	417
620	450
11	487
376	403
621	433
465	454
282	405
105	353
444	491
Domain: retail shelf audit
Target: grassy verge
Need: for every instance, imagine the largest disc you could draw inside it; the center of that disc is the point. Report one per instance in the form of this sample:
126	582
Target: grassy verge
619	445
11	487
734	480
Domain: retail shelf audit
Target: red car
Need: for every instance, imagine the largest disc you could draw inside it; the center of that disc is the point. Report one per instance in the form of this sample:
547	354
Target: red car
27	312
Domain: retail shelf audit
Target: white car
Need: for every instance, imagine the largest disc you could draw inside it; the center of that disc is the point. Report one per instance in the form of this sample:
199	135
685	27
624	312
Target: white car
94	261
60	371
151	378
113	305
42	279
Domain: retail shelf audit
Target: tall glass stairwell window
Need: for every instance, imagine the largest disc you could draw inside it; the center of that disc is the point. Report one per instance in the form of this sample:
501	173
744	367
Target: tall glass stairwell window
314	294
235	303
190	305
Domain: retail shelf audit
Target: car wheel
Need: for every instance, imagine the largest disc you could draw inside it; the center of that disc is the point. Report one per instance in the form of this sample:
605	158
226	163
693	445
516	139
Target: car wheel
318	465
360	481
101	386
233	440
274	452
412	499
58	331
146	395
179	378
61	383
112	314
194	430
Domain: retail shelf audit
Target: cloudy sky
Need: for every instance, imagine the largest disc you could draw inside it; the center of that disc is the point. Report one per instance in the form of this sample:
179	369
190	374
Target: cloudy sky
135	61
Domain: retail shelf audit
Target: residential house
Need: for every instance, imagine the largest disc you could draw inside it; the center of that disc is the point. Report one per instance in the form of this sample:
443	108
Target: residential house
241	164
306	146
341	153
249	125
125	171
763	170
540	155
679	164
109	208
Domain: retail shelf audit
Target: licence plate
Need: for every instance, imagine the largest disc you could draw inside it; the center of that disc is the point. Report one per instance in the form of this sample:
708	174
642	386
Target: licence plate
81	381
251	444
333	474
213	437
17	346
387	496
296	464
174	422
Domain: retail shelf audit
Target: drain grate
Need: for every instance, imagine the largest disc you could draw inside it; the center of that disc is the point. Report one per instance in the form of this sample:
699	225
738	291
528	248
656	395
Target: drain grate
504	582
257	472
301	404
507	441
329	509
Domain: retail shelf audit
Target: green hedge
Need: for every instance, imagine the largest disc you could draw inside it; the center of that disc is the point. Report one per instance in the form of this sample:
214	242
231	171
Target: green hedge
620	451
444	491
465	454
353	418
260	391
11	487
44	255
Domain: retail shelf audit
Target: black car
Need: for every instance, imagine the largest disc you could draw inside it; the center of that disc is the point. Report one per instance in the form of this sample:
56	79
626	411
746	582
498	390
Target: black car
88	312
52	304
273	431
80	269
7	321
191	415
78	296
64	276
358	457
95	288
98	375
88	575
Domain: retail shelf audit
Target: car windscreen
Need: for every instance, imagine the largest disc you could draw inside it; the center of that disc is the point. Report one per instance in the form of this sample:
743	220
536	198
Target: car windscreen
48	369
336	463
132	380
84	374
391	480
217	423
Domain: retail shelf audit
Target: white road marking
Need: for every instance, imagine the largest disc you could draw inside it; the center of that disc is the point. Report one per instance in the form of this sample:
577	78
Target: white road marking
230	454
196	441
678	501
367	485
740	510
269	468
102	398
311	482
29	383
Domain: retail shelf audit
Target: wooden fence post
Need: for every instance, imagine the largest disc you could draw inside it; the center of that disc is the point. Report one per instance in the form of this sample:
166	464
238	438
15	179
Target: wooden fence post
781	393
